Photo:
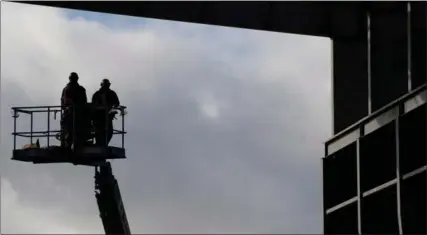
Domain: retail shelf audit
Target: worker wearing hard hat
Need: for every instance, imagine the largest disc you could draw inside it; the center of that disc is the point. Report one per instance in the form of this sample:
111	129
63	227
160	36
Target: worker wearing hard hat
73	101
104	100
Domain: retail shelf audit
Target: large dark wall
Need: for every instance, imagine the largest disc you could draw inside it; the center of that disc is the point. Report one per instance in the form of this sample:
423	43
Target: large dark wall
380	165
376	183
350	79
379	65
389	53
418	42
309	18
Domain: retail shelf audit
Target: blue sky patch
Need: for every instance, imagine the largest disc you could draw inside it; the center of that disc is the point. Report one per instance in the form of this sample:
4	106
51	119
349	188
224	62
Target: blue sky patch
109	20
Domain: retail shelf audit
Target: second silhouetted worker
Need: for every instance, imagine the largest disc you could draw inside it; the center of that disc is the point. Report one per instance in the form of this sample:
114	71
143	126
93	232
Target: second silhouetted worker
103	118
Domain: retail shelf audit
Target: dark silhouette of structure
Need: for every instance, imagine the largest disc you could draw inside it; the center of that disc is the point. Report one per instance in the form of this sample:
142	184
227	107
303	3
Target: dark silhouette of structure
375	165
107	192
375	171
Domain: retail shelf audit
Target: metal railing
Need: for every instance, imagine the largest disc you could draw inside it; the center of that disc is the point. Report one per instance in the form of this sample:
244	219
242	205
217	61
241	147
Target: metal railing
402	104
88	113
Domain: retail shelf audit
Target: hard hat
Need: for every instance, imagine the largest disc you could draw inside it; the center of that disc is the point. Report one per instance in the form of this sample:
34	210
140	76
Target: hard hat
74	76
105	82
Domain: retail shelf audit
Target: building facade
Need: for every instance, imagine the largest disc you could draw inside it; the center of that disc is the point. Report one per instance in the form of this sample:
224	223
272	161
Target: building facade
375	165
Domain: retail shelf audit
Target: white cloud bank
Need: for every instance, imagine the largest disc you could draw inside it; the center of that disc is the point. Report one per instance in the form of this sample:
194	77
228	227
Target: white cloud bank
226	126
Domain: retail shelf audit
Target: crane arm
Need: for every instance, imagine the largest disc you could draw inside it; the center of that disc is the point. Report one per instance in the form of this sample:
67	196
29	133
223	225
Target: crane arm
110	204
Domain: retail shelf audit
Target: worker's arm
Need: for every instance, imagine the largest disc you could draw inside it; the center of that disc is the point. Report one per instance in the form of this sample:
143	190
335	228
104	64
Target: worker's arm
115	98
66	99
84	96
95	98
62	97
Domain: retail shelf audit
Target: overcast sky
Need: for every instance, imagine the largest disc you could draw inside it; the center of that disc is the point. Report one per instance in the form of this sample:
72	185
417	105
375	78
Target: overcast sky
226	126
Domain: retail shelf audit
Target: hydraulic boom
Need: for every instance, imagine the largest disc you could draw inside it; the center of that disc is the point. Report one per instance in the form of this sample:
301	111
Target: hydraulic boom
110	204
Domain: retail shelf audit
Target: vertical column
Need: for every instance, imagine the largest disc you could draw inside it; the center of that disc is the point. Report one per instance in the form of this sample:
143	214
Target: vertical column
369	62
350	77
398	174
389	52
408	38
418	30
359	188
419	55
418	69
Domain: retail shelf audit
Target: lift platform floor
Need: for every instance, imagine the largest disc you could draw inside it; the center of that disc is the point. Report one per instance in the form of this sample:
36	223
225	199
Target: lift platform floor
87	155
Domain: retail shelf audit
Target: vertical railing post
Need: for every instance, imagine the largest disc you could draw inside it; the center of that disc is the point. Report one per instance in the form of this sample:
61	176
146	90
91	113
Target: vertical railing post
107	121
61	126
48	127
123	126
15	116
31	127
74	125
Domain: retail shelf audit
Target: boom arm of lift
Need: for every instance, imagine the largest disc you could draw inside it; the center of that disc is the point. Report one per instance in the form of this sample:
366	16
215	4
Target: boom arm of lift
110	204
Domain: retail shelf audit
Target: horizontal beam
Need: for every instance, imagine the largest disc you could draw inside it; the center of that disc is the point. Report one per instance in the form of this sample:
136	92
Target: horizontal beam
380	187
82	156
414	173
50	133
306	18
376	189
54	108
341	205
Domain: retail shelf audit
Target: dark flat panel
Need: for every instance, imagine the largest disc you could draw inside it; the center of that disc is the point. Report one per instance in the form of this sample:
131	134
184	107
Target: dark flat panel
413	140
389	54
308	18
251	15
353	14
378	157
379	212
340	176
385	6
350	82
414	206
342	221
419	42
294	16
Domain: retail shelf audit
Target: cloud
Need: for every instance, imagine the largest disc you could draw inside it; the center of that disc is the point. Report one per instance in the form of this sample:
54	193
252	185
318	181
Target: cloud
18	217
226	126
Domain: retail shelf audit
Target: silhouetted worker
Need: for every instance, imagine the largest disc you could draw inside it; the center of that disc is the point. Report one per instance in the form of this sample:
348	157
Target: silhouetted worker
103	118
74	125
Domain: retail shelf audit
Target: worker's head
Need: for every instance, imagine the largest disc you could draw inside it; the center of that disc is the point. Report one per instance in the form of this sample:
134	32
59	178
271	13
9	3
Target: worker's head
74	77
105	84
